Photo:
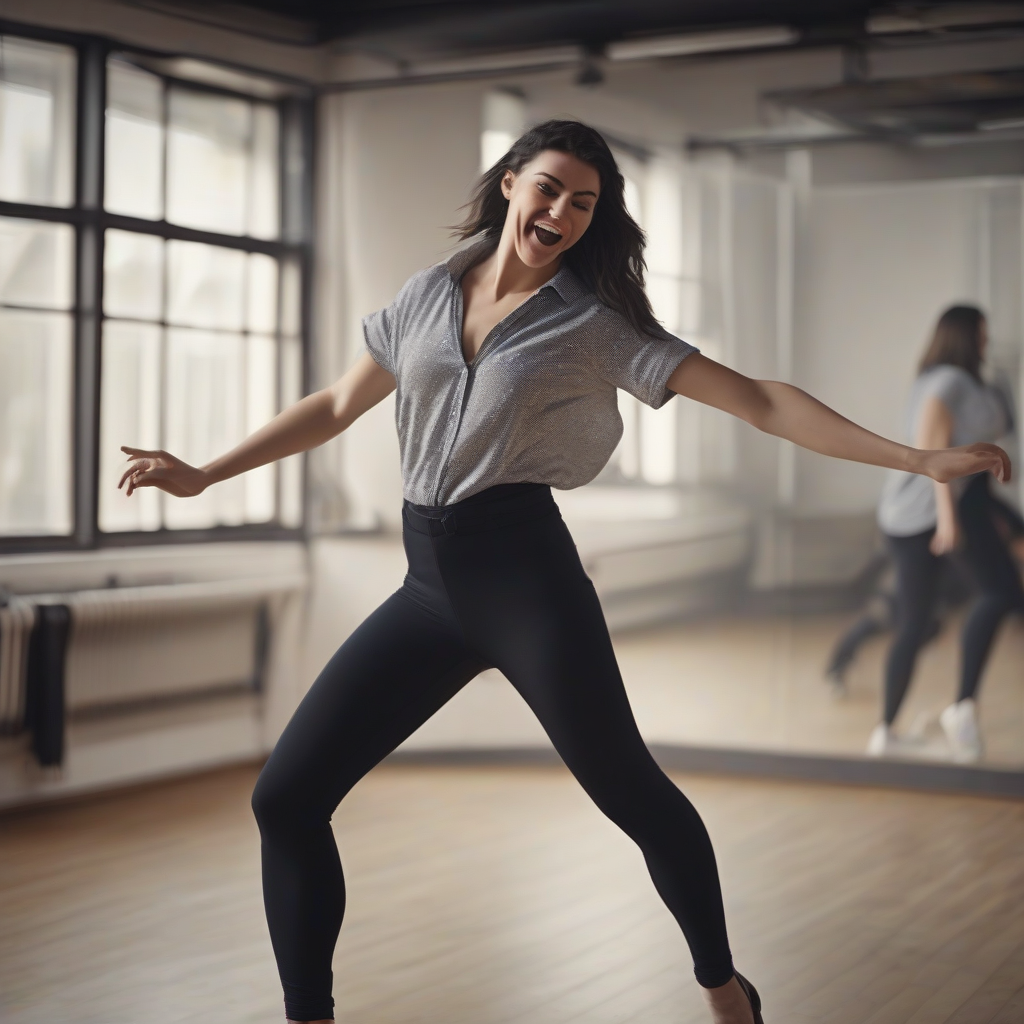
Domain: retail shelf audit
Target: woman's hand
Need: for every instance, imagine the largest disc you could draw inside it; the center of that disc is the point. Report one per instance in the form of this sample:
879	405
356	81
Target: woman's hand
948	464
163	470
946	537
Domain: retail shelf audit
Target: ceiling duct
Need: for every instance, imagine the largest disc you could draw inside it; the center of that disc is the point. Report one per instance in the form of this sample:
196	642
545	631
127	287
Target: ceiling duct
695	43
909	108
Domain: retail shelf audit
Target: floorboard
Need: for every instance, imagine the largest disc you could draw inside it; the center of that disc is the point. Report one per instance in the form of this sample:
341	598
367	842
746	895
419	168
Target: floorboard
499	895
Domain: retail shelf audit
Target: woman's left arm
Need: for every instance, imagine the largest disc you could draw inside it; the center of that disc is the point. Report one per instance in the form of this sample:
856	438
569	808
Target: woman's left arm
788	412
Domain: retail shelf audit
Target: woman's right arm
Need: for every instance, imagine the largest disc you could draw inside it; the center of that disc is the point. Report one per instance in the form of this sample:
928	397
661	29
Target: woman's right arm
309	423
935	430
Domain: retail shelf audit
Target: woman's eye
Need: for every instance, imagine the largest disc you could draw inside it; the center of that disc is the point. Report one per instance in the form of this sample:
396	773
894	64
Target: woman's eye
582	206
546	189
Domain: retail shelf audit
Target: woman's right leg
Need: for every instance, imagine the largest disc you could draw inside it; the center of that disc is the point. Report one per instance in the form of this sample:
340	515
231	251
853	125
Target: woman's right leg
996	575
391	675
917	573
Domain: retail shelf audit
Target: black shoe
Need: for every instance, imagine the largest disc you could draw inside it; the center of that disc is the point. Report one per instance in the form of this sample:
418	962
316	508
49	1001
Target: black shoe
751	993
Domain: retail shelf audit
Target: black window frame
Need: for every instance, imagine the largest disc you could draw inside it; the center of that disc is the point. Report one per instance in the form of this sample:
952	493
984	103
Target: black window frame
90	221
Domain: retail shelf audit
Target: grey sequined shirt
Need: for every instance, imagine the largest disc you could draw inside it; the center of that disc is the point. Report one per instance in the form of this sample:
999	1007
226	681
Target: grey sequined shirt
537	404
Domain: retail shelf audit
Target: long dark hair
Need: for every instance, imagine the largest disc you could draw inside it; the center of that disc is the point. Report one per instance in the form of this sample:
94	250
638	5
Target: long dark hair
609	258
956	340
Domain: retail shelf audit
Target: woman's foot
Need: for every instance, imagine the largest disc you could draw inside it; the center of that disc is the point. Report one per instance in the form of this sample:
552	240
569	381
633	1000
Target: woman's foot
885	742
729	1004
960	724
882	742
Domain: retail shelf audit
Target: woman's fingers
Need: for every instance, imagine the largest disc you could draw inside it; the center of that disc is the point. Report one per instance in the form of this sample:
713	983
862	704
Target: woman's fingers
1006	467
142	453
948	464
994	460
159	469
137	467
132	470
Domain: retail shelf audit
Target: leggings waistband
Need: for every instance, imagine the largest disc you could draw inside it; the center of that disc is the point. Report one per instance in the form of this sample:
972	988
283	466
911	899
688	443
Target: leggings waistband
494	508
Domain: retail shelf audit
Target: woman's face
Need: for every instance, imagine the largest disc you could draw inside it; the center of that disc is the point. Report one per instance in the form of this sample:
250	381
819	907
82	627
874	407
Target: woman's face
551	203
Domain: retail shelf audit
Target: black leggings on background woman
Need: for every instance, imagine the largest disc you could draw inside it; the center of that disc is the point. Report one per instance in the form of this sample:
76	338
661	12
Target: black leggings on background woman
995	574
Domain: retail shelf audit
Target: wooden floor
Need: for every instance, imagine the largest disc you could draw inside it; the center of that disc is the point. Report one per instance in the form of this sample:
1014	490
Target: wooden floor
500	896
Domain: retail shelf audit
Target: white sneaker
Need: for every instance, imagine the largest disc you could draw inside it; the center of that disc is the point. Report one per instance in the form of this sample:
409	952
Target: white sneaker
960	724
885	742
882	742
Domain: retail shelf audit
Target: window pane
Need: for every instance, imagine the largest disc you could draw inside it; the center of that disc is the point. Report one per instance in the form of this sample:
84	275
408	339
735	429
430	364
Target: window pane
262	312
291	298
37	122
261	407
205	417
206	285
129	414
665	295
36	263
264	196
35	423
133	267
208	161
135	142
291	468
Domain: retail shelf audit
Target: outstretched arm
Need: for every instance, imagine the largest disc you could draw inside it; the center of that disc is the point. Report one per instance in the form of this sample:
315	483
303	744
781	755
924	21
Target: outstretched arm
309	423
788	412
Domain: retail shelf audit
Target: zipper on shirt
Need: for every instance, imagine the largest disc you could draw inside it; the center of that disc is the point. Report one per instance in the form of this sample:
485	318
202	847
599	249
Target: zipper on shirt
467	368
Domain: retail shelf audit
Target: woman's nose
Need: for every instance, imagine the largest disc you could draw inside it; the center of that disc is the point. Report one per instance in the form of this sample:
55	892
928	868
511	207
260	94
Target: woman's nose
560	208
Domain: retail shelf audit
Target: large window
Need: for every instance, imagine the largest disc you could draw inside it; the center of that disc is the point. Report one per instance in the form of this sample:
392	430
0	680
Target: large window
37	100
152	259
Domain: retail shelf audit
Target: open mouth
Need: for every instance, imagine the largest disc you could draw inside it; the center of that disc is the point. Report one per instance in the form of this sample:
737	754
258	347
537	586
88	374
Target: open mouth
545	236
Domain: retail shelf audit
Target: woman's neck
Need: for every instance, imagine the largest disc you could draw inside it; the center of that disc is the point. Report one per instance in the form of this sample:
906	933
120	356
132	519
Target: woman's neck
503	273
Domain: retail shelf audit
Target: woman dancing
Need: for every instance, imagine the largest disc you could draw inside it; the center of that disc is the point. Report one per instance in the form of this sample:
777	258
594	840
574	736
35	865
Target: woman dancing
506	359
923	520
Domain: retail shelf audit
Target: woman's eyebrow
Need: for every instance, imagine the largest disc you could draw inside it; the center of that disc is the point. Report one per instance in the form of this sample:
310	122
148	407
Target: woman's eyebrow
582	192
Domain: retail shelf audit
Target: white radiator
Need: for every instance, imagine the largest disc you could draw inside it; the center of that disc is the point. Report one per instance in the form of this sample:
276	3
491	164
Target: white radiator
17	618
132	644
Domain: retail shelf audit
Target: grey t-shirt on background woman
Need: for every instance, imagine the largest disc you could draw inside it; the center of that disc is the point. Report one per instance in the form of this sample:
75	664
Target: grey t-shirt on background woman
537	405
979	413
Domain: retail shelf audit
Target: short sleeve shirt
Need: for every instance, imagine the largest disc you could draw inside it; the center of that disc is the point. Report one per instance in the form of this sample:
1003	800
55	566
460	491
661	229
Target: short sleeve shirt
537	404
979	413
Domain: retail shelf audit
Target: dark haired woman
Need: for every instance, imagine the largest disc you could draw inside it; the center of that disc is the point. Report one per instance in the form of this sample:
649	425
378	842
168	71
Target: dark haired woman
924	519
506	360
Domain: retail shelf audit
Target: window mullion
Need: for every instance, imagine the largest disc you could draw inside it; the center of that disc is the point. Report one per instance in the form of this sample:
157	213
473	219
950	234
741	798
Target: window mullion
89	286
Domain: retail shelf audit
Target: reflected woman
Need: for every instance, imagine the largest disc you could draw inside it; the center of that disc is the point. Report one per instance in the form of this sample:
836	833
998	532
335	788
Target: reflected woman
925	519
506	359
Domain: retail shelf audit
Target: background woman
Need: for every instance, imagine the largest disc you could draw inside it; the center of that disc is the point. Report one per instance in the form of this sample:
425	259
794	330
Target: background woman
925	519
506	359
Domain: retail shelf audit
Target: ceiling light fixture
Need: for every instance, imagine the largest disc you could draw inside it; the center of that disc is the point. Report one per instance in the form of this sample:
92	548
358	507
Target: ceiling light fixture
703	42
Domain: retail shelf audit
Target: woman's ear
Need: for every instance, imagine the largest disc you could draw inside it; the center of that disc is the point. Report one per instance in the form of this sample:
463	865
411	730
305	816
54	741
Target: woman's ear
507	181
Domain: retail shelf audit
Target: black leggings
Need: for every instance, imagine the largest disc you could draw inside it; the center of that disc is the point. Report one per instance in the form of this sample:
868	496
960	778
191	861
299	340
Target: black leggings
494	580
917	570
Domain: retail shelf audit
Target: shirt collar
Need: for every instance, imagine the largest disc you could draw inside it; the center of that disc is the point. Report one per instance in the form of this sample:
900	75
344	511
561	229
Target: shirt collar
565	283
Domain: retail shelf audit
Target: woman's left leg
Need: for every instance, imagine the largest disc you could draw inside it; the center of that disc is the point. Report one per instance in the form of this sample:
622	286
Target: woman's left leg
527	605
